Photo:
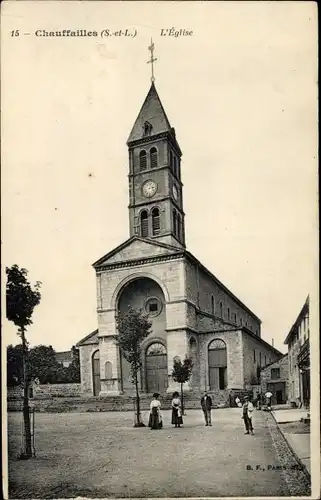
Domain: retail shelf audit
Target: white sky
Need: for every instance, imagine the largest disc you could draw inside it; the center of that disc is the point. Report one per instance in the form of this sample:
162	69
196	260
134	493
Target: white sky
241	94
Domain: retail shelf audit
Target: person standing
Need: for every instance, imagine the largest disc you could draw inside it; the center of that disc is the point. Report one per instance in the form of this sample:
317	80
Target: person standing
247	410
177	418
206	404
268	396
155	418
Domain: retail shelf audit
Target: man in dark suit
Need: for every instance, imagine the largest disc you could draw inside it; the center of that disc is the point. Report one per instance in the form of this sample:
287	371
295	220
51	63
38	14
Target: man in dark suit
206	404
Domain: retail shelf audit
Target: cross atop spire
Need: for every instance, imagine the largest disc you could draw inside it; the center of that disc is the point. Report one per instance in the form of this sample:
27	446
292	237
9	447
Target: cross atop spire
152	58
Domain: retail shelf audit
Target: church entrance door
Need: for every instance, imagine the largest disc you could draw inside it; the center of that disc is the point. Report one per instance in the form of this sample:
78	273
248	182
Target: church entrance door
217	364
96	373
156	368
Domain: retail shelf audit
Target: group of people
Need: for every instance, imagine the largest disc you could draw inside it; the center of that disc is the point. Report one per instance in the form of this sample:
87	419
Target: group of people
156	419
155	416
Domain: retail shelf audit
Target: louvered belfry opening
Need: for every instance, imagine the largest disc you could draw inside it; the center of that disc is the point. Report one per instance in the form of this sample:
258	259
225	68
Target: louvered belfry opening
155	221
153	158
174	222
144	224
178	226
143	160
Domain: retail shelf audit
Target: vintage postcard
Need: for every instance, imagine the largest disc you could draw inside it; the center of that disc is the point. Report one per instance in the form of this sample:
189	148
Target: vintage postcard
160	329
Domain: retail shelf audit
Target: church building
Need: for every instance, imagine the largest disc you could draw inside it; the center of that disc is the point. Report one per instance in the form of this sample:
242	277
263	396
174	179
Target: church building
192	312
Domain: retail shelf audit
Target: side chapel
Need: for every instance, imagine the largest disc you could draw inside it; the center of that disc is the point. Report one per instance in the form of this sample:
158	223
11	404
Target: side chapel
192	312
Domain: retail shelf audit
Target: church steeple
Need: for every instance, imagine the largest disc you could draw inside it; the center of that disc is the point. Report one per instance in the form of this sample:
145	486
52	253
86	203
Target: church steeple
152	113
155	187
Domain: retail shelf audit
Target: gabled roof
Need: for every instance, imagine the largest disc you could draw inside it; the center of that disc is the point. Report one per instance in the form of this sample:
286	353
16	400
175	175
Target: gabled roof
152	111
135	248
91	338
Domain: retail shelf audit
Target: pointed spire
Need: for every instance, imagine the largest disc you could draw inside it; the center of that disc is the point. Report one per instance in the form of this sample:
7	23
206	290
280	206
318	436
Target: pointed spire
152	119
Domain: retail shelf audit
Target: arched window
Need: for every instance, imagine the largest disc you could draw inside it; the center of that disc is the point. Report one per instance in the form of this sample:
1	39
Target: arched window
234	317
228	313
178	168
174	222
153	158
192	343
155	221
217	363
144	224
178	226
147	128
221	310
171	160
143	160
155	349
212	305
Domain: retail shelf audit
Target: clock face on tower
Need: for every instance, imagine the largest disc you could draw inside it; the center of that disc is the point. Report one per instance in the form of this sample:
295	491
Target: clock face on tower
149	188
175	193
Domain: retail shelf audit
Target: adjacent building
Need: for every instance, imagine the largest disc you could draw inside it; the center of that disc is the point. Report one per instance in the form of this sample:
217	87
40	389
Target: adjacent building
274	378
192	312
298	341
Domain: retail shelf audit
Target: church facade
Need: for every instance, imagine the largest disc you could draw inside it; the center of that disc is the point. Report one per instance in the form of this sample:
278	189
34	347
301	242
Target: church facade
192	312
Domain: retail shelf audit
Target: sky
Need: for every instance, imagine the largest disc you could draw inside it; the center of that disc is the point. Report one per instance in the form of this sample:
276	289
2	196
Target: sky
241	92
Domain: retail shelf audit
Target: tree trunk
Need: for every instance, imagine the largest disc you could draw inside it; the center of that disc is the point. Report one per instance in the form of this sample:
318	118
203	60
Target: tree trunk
182	399
26	414
137	400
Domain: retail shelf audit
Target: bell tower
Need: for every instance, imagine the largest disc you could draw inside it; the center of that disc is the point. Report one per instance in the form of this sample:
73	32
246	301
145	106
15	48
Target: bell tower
155	187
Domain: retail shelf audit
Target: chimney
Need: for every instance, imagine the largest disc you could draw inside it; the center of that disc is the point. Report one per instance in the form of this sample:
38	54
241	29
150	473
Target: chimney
272	342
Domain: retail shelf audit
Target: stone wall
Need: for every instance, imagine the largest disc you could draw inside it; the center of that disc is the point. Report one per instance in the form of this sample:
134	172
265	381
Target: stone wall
43	391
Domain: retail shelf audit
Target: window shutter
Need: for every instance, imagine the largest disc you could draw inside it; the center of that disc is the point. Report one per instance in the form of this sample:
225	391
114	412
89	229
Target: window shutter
153	158
144	224
155	222
142	160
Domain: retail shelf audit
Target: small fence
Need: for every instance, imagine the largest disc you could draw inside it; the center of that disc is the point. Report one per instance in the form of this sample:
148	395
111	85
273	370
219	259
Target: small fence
24	437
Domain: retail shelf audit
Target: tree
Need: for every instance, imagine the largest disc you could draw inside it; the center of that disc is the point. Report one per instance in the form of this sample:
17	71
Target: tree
21	299
43	364
14	365
133	328
182	373
72	372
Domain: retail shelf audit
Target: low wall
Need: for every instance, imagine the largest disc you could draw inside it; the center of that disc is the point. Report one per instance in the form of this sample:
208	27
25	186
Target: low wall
56	390
46	391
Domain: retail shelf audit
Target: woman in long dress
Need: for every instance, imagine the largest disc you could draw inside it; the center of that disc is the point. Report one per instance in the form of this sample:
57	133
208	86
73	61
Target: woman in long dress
177	418
155	418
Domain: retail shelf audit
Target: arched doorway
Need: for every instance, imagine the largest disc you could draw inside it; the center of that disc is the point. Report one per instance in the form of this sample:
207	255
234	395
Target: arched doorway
145	294
217	364
156	368
96	373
